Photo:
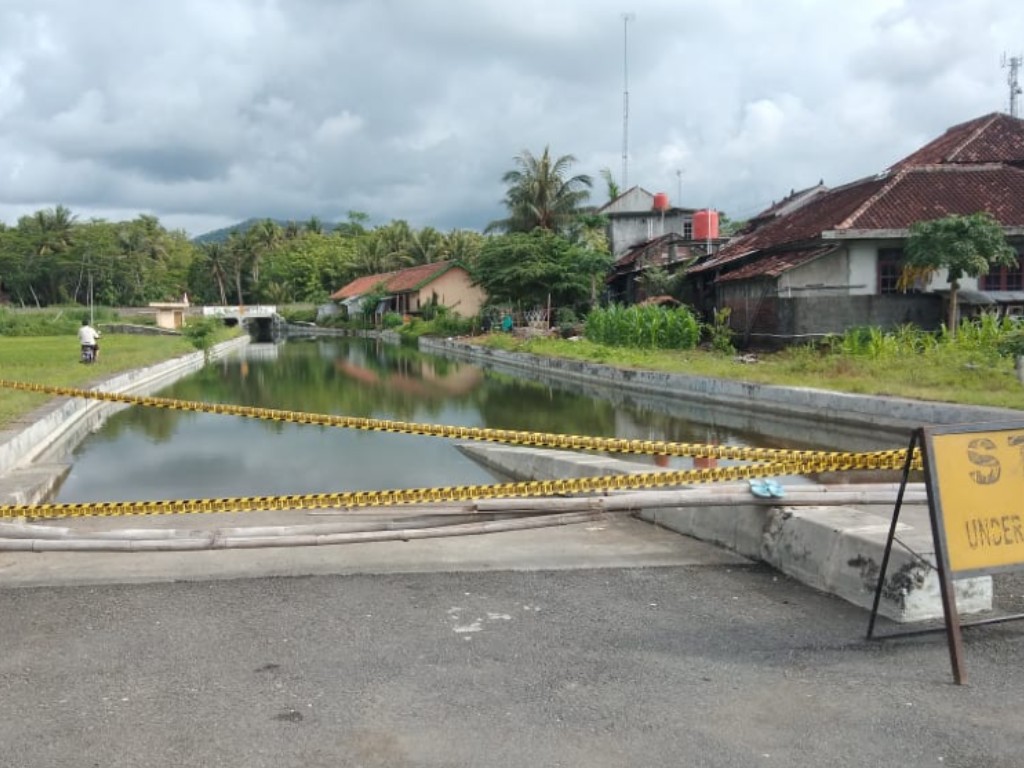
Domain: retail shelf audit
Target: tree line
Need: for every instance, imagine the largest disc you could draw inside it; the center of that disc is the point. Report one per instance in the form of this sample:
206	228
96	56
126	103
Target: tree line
550	247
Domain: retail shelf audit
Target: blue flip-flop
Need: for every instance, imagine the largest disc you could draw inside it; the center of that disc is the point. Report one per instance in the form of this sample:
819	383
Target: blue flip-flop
760	489
774	489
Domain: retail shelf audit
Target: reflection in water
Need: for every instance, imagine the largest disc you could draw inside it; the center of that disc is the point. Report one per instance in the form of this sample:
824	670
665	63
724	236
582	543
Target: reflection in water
149	453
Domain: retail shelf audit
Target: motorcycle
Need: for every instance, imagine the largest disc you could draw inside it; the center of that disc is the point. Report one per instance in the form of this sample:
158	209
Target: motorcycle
88	354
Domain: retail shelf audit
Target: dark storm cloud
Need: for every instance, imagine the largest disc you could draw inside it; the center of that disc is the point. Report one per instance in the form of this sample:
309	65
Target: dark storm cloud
215	111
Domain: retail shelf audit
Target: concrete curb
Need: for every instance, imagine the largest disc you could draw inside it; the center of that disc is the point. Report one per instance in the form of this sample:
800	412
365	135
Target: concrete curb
837	550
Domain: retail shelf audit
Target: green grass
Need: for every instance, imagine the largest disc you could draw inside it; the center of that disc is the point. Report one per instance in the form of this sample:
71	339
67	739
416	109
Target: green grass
946	375
54	360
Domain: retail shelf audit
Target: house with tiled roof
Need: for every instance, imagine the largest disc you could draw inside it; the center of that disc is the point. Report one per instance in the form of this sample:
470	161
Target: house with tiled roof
834	260
671	252
409	291
637	216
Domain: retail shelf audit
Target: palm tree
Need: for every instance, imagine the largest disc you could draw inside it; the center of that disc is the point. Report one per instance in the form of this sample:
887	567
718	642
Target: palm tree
462	245
54	233
426	246
216	258
541	195
262	239
610	184
238	258
55	230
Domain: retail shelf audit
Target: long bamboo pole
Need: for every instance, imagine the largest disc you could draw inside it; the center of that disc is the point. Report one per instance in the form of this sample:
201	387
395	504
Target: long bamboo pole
11	533
213	540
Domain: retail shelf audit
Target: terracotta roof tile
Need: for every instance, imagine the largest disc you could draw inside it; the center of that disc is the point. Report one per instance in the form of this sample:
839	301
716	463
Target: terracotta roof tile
931	192
415	277
823	213
657	251
360	285
394	282
773	265
994	138
975	166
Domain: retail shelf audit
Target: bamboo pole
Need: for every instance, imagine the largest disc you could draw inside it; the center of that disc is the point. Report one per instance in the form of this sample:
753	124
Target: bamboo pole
213	540
498	508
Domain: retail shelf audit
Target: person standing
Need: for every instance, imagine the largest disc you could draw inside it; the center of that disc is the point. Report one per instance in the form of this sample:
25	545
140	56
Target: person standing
89	337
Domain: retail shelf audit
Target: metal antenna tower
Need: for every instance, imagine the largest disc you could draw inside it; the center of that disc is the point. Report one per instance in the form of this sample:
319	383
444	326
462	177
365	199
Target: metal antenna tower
626	18
1013	63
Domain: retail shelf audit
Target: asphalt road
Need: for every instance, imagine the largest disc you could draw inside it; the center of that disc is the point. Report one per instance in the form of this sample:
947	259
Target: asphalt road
706	665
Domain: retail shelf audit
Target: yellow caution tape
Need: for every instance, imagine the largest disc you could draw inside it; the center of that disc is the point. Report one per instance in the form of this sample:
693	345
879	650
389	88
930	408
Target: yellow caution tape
832	460
772	462
455	493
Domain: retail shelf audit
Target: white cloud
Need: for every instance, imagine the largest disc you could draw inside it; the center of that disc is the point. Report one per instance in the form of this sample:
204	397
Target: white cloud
213	112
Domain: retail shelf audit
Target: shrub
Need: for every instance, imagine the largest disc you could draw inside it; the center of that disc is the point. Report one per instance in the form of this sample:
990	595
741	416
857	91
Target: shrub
299	314
202	332
391	320
1012	343
720	333
52	321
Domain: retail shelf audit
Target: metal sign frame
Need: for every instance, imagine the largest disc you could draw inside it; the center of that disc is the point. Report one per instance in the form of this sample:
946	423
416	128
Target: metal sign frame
925	438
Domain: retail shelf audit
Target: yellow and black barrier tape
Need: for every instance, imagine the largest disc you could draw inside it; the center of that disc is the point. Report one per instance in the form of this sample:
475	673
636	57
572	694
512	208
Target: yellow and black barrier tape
827	460
397	497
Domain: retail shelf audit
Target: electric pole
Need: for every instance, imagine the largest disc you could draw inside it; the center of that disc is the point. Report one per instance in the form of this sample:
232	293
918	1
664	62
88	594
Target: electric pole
1013	63
626	18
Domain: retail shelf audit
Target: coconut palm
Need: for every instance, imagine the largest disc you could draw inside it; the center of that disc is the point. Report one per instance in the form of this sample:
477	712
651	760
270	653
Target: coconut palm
262	239
426	246
541	194
217	262
610	184
462	245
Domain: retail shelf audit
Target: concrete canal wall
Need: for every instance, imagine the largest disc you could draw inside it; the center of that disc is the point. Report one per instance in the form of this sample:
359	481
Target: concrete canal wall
889	416
837	549
33	448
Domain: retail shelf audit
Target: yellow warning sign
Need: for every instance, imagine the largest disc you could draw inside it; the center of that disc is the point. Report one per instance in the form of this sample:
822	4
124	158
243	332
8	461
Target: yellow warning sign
977	478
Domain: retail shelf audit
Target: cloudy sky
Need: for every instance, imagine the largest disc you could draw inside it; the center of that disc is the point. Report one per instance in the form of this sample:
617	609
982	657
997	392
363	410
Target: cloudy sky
206	112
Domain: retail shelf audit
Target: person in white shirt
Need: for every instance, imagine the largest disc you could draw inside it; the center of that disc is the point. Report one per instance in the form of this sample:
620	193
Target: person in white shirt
89	337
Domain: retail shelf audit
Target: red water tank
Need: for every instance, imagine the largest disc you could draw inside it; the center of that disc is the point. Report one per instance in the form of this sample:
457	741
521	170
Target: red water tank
705	225
661	201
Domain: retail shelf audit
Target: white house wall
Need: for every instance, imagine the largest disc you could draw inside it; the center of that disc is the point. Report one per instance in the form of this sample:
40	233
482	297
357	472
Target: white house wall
825	276
628	231
851	271
633	201
862	271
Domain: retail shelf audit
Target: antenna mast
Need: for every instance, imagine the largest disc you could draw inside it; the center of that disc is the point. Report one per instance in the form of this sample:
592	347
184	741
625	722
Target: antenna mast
626	18
1013	63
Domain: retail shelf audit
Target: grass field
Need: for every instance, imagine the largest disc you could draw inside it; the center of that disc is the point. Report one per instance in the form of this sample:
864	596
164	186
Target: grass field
951	375
54	360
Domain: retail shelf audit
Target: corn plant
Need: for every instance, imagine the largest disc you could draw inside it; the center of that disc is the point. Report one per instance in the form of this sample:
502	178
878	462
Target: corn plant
643	327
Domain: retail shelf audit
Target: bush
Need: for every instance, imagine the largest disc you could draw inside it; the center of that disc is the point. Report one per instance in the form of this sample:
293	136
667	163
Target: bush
299	314
391	320
52	321
1012	343
202	332
720	333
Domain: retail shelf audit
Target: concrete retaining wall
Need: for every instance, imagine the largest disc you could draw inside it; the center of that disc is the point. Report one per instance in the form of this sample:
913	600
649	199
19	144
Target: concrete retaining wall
834	549
887	415
32	448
